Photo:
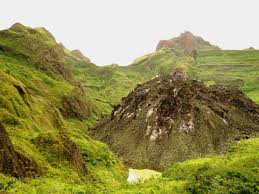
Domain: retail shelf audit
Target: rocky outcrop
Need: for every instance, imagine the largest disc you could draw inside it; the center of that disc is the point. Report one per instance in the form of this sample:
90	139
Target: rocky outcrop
186	43
173	118
37	45
15	163
76	105
72	152
78	54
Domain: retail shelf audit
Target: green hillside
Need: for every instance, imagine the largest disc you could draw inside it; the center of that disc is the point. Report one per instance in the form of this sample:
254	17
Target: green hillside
35	109
225	67
235	172
107	85
49	98
234	67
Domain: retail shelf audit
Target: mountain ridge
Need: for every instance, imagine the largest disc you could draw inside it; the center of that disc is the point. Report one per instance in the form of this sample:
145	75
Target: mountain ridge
49	99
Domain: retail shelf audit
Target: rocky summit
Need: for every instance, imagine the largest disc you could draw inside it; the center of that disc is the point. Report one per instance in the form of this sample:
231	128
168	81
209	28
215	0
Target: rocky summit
172	118
78	54
186	44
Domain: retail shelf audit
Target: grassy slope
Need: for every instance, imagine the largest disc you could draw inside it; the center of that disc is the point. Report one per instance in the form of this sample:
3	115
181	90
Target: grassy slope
237	67
32	122
105	86
235	172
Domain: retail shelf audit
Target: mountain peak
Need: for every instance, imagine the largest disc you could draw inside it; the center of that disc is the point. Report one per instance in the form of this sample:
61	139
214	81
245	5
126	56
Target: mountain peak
187	34
186	43
78	54
38	45
17	25
20	28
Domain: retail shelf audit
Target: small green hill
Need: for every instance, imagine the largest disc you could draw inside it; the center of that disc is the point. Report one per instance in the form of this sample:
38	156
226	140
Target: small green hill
223	67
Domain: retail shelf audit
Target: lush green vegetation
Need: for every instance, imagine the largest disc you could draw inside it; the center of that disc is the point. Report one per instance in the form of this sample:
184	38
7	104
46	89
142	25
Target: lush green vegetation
35	76
32	118
235	172
234	67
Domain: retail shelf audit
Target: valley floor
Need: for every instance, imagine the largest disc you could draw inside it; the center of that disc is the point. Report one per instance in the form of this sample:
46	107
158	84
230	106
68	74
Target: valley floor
235	172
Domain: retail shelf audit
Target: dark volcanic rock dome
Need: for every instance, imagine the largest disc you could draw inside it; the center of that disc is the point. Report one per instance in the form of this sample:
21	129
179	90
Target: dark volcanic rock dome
172	118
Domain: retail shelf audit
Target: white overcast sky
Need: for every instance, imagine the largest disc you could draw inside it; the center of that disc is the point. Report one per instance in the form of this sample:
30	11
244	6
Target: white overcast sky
118	31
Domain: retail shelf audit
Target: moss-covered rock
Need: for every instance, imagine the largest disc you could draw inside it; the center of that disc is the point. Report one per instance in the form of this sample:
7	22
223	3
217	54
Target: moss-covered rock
76	105
15	163
72	152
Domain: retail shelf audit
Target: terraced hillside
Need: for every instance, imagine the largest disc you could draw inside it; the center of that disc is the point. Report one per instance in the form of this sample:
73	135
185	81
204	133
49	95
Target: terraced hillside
234	67
224	67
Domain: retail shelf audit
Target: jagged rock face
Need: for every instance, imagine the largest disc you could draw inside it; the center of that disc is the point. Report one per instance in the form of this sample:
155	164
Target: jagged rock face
39	46
186	43
14	163
77	53
172	118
